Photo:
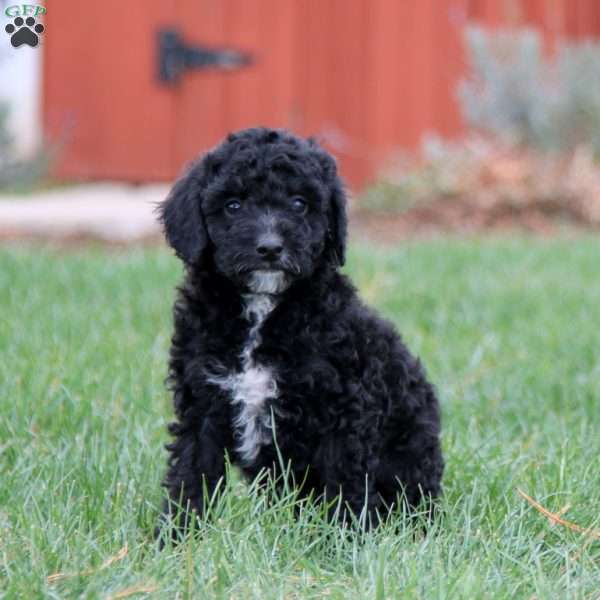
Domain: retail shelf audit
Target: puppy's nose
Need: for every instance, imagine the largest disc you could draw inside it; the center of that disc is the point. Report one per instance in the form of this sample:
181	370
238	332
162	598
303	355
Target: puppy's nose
269	247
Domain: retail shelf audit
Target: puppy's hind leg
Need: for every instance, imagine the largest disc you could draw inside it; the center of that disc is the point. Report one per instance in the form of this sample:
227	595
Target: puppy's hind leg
410	470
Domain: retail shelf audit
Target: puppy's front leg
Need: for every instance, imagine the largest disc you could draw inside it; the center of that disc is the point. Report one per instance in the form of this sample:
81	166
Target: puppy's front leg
195	467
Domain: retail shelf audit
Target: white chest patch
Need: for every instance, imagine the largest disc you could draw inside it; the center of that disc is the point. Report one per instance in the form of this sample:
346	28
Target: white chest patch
253	385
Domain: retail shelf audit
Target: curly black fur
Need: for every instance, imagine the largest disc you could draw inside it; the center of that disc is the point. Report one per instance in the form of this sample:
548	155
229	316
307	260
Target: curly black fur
353	412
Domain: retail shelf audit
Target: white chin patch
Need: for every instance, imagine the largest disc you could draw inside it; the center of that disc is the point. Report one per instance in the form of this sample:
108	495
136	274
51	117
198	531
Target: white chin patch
267	282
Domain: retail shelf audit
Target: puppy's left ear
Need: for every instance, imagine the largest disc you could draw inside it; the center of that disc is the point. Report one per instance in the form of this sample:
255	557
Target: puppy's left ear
181	216
338	222
337	226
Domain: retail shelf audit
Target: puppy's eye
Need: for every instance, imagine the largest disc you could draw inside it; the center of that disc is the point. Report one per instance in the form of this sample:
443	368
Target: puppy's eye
233	206
299	204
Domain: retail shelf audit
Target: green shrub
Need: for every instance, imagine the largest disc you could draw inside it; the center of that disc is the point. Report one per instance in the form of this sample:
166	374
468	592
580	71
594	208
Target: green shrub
17	175
514	91
5	137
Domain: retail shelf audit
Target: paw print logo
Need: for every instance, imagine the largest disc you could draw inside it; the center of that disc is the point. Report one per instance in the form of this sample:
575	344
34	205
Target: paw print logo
24	32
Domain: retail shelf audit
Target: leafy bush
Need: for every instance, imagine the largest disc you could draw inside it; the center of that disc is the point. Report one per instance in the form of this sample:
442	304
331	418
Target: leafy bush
5	137
19	174
409	181
537	143
491	181
516	92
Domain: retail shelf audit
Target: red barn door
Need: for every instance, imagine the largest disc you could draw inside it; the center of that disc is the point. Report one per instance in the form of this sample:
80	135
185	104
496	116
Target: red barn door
369	75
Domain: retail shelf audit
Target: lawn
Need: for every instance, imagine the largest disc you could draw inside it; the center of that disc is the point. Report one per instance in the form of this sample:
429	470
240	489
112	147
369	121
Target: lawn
509	330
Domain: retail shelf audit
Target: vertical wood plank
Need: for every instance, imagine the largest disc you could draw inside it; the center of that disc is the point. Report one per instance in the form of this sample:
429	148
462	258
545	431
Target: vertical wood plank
449	65
346	78
200	120
277	43
312	63
388	98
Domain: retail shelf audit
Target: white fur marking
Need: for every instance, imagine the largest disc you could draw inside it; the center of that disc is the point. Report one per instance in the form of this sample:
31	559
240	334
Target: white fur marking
267	282
253	385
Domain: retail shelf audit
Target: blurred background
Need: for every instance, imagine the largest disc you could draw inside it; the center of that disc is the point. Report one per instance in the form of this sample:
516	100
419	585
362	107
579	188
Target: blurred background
444	114
468	132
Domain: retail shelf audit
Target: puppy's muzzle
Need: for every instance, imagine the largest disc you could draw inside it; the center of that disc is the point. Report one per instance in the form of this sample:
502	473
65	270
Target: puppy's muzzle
269	247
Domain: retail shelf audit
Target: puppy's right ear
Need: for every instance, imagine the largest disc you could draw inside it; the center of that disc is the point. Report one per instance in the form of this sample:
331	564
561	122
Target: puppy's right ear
181	216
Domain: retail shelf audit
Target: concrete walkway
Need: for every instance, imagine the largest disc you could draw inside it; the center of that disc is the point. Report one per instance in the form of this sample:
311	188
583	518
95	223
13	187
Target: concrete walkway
107	212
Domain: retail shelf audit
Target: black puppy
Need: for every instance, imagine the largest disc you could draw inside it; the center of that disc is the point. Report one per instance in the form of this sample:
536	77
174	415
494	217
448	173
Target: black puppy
272	342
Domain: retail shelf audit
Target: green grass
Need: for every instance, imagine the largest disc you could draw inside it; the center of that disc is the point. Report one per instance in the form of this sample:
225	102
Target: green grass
509	331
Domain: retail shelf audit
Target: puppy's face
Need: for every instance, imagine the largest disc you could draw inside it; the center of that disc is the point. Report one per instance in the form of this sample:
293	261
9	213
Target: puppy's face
266	207
267	228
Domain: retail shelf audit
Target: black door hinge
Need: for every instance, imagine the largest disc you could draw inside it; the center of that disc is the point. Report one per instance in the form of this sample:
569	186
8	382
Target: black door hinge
175	57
